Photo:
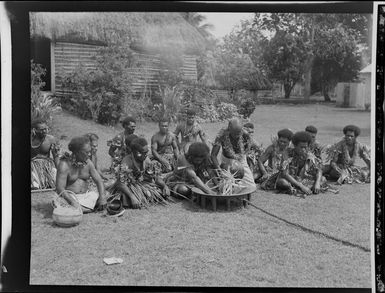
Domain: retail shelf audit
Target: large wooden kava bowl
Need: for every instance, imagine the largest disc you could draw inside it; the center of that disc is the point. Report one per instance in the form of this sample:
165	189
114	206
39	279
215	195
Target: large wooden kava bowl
202	197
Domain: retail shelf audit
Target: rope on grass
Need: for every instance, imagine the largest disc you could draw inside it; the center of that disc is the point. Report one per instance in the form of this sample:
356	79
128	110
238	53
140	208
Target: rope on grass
344	242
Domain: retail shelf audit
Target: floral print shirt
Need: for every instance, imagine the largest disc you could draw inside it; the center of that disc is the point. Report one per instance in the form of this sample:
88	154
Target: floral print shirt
131	171
339	153
301	166
233	149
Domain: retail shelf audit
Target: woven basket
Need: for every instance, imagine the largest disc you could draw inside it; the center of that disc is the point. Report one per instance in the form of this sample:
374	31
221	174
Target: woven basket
64	214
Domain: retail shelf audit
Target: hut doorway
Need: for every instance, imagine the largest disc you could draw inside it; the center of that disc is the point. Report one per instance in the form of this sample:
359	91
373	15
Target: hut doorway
41	54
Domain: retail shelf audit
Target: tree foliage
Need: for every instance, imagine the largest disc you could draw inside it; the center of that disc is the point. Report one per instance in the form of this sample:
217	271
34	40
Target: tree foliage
337	58
285	56
42	105
100	94
198	21
312	34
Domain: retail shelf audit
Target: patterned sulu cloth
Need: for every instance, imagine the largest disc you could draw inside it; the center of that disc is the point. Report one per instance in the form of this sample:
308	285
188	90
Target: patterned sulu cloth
130	173
275	166
305	169
351	173
316	149
253	156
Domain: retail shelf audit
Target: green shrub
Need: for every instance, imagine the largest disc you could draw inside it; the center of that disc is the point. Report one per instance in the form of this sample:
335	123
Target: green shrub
42	105
103	94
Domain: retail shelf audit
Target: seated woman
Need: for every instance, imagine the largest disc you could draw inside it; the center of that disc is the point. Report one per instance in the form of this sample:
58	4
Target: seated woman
254	153
43	146
275	154
73	174
164	148
302	172
138	183
193	169
343	156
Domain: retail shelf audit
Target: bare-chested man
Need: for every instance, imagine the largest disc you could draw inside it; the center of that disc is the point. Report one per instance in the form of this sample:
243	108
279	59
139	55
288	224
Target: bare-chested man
164	147
43	167
189	131
73	174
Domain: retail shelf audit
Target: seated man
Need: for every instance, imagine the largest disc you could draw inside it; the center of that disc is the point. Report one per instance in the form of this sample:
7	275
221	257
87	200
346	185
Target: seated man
194	168
314	146
136	168
303	170
189	131
117	145
343	156
74	172
254	152
94	142
43	167
164	148
275	155
235	143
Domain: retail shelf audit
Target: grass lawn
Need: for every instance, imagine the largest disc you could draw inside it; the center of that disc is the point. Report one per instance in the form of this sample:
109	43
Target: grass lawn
184	245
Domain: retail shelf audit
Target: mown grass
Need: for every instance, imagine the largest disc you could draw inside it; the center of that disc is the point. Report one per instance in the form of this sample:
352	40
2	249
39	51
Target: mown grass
184	245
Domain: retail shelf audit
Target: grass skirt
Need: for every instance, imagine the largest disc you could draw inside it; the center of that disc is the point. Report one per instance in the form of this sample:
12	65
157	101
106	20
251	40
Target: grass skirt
145	192
43	173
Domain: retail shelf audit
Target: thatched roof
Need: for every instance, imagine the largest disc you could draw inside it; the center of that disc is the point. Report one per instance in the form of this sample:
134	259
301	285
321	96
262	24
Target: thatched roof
146	31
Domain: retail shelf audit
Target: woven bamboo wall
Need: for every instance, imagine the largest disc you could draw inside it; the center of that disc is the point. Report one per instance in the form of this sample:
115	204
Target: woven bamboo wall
67	56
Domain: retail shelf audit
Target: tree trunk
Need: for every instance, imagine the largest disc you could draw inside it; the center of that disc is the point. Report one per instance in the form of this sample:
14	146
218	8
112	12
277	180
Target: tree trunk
325	92
309	64
307	81
287	88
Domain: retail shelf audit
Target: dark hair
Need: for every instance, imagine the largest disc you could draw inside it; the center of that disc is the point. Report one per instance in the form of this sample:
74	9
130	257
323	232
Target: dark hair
127	120
92	136
353	128
301	136
249	125
198	149
138	144
285	133
130	138
164	119
311	129
77	143
37	121
191	112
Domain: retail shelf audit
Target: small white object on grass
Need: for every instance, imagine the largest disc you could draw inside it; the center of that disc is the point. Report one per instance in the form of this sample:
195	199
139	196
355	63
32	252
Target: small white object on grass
112	260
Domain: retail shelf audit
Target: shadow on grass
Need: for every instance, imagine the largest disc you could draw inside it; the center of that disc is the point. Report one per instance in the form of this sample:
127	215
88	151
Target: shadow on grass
236	205
44	208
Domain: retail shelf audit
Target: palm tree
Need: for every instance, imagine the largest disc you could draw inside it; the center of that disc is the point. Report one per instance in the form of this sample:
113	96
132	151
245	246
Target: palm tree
196	19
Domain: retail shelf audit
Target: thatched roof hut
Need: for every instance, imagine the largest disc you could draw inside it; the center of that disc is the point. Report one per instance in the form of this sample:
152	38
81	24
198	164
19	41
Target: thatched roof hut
144	31
62	40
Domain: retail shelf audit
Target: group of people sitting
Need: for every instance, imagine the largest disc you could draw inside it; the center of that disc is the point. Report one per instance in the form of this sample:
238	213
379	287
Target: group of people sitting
174	162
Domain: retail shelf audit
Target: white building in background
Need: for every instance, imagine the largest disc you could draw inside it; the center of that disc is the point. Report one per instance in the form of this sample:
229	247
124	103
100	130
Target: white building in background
356	94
